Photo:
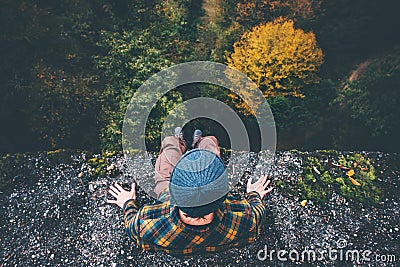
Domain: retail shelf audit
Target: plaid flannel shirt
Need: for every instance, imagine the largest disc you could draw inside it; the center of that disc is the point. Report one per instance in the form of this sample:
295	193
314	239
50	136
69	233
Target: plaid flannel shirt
158	226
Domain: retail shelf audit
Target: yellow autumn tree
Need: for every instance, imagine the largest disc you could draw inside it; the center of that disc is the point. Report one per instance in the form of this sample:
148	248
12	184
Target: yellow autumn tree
278	58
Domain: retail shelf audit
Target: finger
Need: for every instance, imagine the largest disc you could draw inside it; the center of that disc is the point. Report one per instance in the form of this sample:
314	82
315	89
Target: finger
111	201
268	190
267	183
249	182
113	188
119	187
265	179
133	188
113	193
261	181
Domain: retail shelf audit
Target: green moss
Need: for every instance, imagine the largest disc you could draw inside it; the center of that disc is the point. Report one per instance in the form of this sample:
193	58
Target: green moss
109	154
54	152
333	179
329	152
98	165
92	161
280	184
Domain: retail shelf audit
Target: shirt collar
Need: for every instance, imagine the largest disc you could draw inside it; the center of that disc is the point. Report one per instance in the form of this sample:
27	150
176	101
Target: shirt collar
174	215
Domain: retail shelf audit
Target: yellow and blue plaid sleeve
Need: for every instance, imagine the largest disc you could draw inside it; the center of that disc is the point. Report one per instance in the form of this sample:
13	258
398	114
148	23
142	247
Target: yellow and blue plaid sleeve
131	219
257	207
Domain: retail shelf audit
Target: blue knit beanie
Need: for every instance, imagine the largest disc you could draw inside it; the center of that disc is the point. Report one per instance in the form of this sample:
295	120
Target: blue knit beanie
199	183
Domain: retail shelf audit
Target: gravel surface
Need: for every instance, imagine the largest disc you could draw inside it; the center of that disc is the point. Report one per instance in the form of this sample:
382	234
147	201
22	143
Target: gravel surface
55	215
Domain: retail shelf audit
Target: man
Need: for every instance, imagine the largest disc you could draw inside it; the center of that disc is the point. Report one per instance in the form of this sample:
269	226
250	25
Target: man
198	214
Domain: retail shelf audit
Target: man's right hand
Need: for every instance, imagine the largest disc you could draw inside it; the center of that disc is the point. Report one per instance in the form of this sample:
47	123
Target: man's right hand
121	194
261	186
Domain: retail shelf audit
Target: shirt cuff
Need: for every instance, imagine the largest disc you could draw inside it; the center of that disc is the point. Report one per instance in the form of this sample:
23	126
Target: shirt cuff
127	202
254	193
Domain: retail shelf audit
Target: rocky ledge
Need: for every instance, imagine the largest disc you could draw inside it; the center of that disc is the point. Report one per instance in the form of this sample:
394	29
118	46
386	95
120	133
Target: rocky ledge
53	213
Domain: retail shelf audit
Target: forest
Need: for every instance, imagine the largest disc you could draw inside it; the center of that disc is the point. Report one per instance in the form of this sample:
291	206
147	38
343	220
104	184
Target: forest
329	69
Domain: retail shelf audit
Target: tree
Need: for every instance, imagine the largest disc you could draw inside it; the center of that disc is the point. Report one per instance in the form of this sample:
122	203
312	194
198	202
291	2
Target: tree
371	98
48	84
249	12
130	56
278	58
236	16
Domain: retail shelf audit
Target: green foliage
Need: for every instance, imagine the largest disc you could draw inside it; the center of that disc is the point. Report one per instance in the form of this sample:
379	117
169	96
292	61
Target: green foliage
290	113
350	32
319	188
131	57
304	119
69	68
66	101
125	69
373	97
224	42
46	68
252	12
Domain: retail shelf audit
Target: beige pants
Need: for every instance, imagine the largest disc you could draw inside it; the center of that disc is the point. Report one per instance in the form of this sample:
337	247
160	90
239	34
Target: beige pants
172	148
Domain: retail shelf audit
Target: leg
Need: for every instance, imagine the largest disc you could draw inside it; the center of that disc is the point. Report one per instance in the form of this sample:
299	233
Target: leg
210	143
172	148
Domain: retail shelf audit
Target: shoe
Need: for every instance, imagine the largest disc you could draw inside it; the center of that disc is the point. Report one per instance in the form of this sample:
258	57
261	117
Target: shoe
178	133
196	137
